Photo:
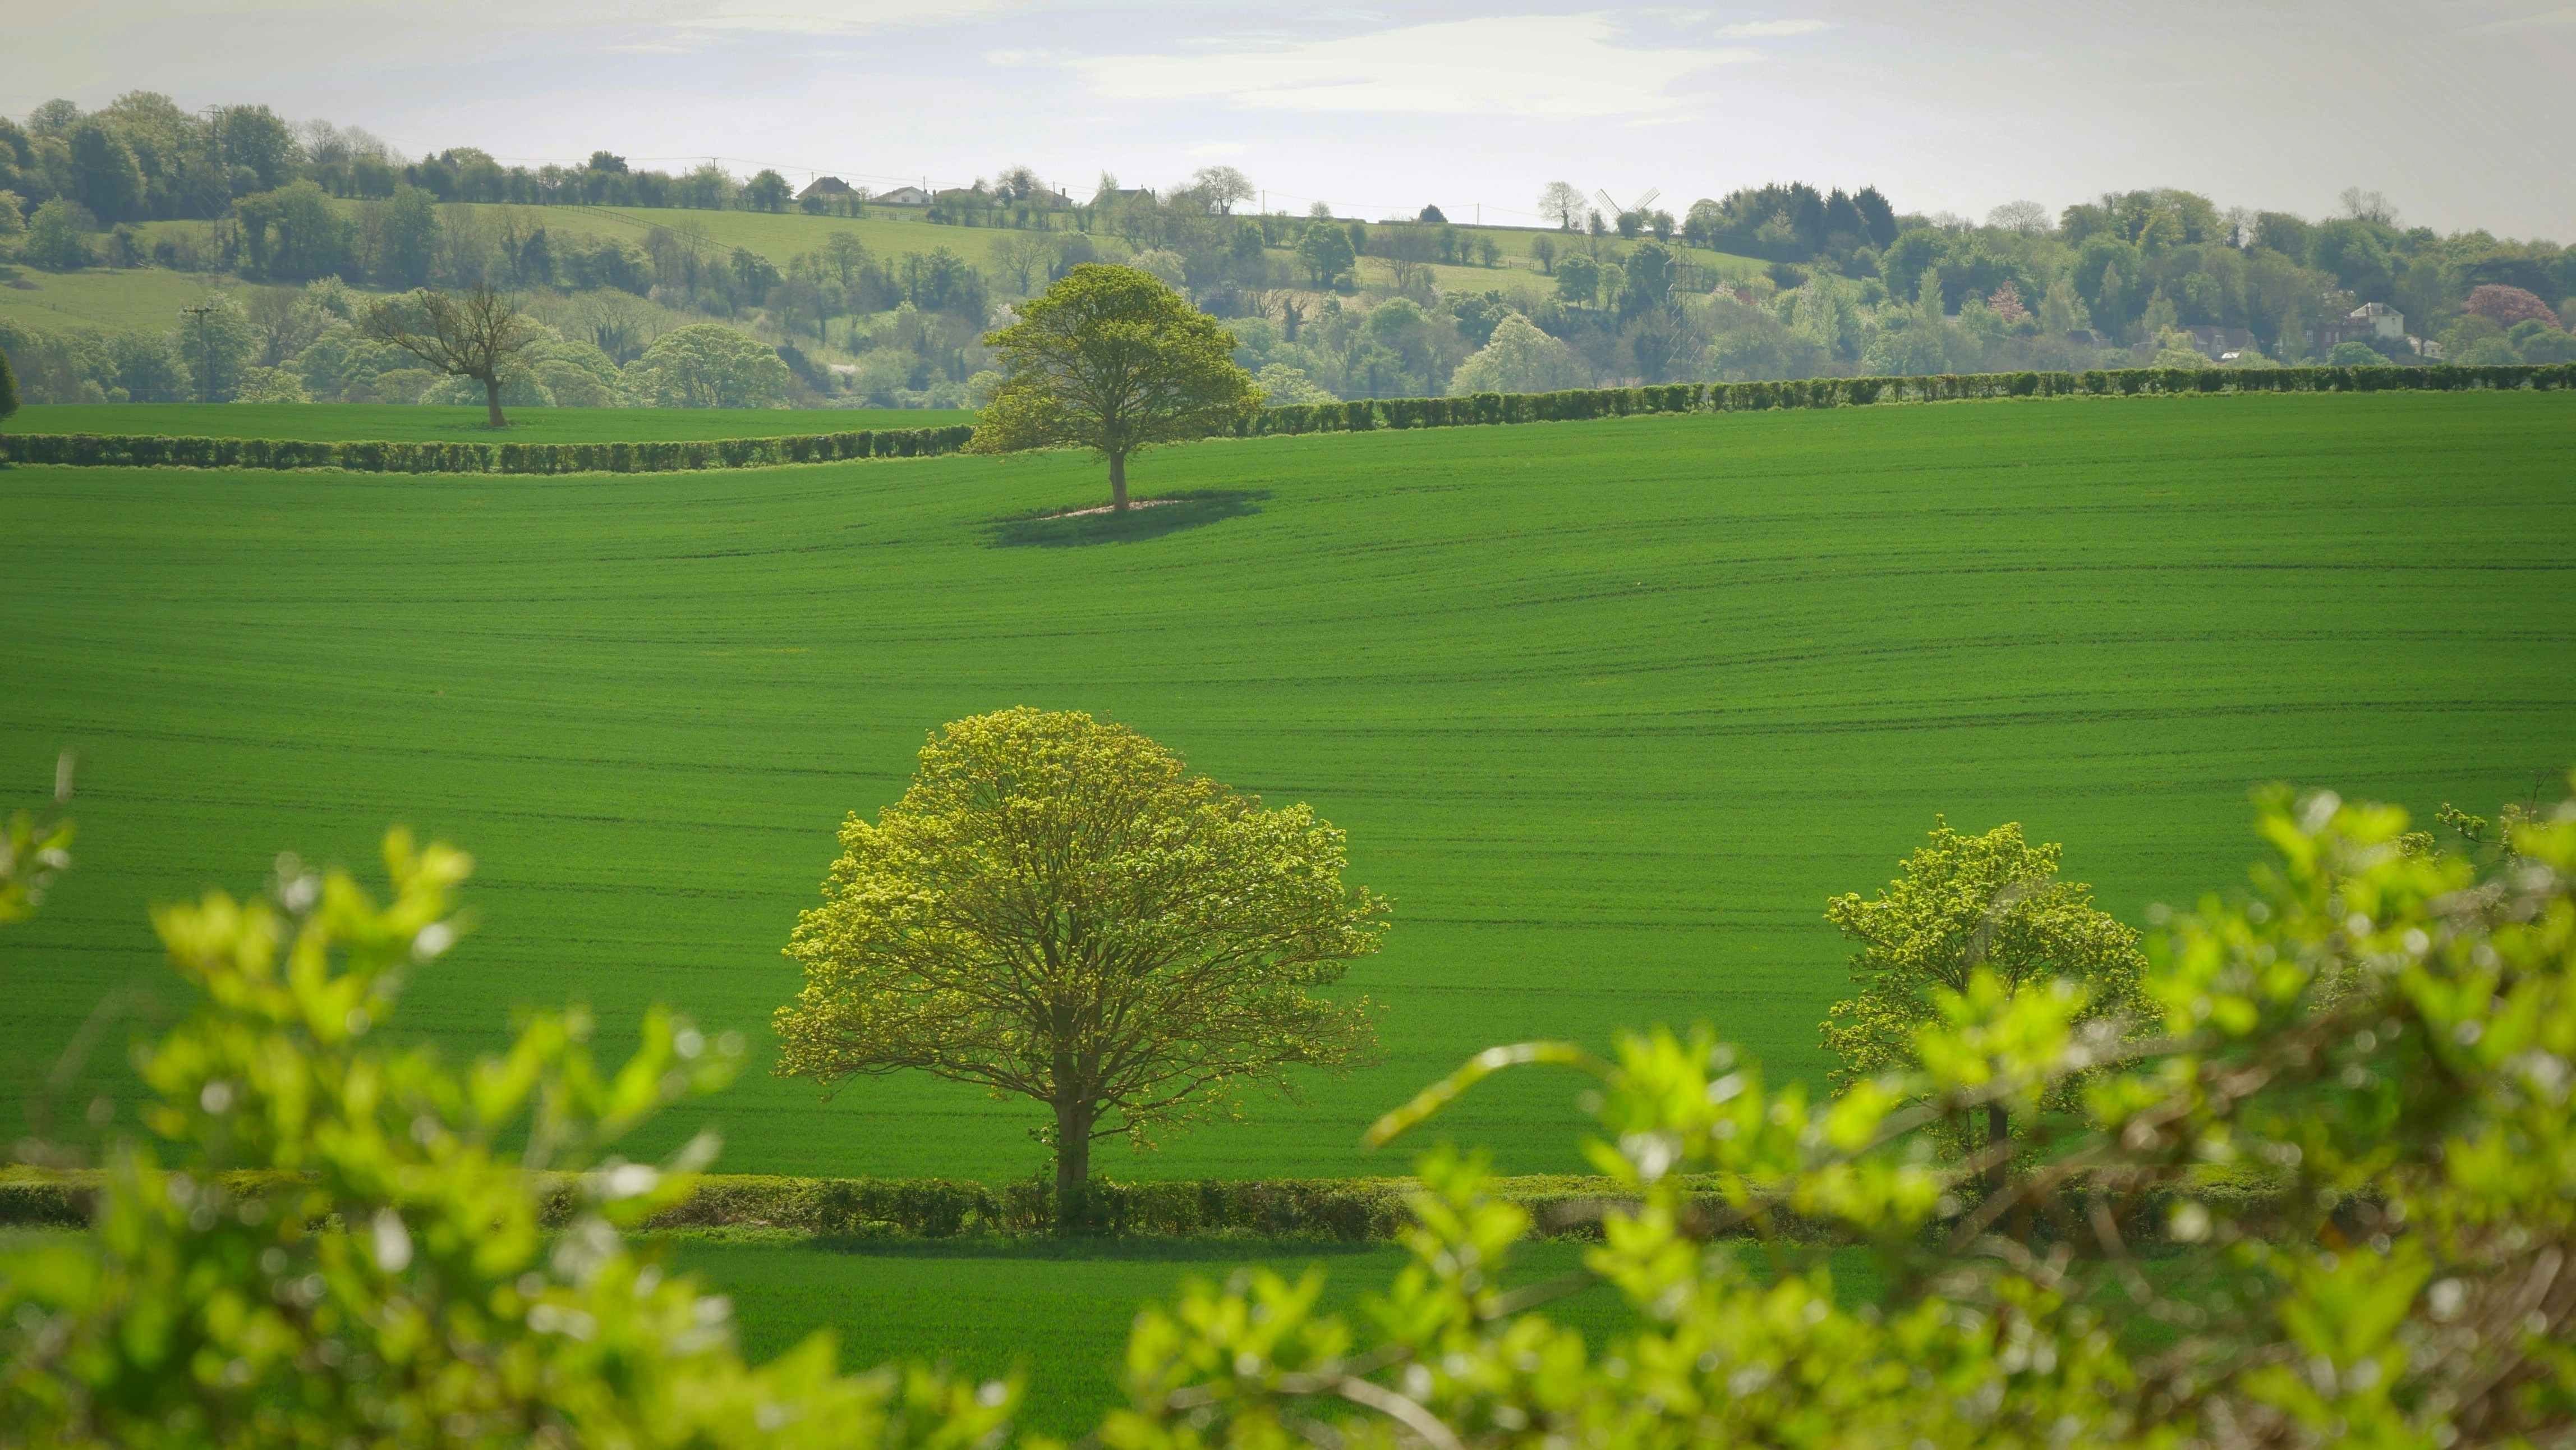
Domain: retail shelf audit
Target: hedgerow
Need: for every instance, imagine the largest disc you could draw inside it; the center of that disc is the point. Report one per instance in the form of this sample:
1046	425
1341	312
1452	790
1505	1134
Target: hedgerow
144	450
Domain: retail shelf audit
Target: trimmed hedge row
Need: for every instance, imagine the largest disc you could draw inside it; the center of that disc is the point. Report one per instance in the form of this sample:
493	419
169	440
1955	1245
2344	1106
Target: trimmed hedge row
154	451
144	450
1580	403
1346	1209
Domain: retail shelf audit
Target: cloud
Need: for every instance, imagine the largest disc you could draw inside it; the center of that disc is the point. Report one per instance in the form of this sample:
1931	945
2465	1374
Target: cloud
1534	65
835	17
1771	29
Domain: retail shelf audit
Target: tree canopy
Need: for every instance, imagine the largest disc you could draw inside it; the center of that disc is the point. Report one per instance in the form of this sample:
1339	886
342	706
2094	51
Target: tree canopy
1056	909
1112	360
1971	907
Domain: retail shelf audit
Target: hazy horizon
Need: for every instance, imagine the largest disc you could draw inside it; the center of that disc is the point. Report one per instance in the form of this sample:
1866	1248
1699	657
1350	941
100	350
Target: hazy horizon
2454	109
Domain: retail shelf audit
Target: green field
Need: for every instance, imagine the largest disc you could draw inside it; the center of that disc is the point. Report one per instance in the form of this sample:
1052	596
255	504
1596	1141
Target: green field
342	422
1607	708
1057	1313
145	299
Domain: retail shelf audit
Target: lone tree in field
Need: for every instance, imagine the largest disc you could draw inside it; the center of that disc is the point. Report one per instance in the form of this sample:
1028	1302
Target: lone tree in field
1112	360
1055	909
8	388
478	334
1967	904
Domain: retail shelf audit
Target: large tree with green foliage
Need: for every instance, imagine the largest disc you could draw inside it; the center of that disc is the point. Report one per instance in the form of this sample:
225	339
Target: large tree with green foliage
1057	909
704	365
1966	906
1111	359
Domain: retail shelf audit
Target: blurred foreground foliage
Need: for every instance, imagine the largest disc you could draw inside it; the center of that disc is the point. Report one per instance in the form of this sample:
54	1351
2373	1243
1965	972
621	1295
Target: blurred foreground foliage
2384	1027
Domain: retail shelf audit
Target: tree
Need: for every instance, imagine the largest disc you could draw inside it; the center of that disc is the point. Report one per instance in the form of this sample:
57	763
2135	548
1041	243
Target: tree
1578	279
1112	360
1519	359
1224	187
2027	218
1056	910
2507	306
1324	250
58	235
104	176
477	335
294	232
1969	906
8	389
766	191
1022	257
411	233
1562	203
707	366
254	137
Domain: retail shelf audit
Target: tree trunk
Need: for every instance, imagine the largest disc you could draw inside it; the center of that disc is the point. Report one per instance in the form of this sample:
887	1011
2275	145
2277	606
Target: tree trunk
492	398
1073	1169
1999	1143
1118	482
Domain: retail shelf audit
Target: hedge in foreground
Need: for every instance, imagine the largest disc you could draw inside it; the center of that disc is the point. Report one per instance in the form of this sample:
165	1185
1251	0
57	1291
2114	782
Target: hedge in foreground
146	450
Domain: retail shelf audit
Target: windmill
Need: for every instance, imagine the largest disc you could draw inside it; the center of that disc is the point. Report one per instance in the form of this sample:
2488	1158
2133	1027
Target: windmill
1614	209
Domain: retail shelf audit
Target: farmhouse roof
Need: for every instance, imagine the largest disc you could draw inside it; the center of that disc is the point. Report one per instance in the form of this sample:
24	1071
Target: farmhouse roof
904	196
826	186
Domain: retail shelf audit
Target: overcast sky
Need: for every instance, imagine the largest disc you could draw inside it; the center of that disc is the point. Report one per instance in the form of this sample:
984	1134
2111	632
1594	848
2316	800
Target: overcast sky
2458	110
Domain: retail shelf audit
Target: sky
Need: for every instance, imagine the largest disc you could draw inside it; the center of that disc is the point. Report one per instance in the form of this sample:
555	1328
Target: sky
2459	111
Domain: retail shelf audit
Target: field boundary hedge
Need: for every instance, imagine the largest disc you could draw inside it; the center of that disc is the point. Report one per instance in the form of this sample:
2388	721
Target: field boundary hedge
1349	1210
1476	409
150	450
147	450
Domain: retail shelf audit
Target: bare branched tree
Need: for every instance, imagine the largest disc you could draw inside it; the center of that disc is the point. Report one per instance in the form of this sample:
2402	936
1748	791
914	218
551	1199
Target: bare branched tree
477	334
1223	187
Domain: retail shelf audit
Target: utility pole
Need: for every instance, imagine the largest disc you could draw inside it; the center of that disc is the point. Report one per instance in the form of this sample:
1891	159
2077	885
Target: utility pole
199	310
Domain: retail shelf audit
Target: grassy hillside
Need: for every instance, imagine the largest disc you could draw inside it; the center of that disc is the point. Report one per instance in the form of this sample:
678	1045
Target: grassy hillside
1608	708
148	299
98	299
334	422
779	236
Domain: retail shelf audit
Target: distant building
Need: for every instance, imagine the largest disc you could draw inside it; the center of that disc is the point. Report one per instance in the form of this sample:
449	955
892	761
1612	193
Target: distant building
961	193
2220	342
830	188
2371	322
902	196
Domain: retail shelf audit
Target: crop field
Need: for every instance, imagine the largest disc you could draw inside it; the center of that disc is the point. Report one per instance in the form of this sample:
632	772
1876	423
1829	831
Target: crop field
345	422
1608	709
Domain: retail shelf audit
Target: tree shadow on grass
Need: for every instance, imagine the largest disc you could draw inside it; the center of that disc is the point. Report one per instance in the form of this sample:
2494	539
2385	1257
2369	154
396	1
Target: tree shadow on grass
1168	515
